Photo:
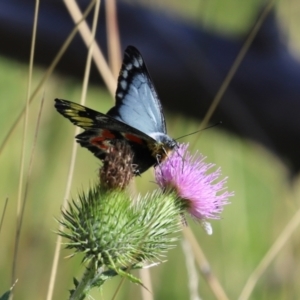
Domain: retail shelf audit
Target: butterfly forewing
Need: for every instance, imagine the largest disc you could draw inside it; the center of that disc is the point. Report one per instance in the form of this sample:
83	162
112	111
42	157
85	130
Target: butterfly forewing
90	119
136	98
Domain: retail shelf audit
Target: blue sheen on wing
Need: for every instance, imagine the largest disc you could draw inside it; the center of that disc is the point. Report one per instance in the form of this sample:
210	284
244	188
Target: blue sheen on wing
137	103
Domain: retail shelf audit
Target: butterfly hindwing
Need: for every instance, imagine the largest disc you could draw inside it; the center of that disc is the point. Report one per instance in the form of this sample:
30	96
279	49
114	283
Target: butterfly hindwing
102	131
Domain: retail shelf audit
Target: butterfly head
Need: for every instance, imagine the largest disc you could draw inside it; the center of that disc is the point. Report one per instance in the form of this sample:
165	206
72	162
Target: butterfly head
163	147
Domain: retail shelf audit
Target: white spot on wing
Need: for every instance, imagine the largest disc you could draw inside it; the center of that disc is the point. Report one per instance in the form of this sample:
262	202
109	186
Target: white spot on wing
129	67
123	84
135	62
140	60
125	73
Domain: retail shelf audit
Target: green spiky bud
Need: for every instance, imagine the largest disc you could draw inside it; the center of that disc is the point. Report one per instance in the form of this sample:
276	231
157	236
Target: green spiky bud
117	235
113	231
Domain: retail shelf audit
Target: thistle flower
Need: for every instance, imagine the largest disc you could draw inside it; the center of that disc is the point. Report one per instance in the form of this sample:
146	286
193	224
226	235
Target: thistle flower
201	192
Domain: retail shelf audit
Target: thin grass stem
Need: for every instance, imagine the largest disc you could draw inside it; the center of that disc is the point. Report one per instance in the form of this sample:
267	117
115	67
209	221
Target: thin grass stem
73	156
113	37
280	242
204	266
236	64
3	213
49	71
20	210
98	57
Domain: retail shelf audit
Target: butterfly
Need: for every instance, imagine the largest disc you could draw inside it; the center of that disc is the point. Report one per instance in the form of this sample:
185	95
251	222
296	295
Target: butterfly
137	117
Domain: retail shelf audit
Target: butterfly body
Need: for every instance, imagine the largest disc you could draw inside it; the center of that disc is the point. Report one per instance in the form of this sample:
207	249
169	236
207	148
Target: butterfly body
137	117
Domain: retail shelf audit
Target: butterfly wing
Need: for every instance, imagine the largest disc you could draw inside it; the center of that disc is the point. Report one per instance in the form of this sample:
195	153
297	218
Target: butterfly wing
137	103
137	117
102	131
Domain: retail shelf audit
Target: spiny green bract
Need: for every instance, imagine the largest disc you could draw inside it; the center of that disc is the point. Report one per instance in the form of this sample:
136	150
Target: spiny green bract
116	232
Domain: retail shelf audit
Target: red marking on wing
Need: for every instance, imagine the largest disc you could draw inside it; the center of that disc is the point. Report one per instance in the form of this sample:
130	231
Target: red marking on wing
99	141
133	138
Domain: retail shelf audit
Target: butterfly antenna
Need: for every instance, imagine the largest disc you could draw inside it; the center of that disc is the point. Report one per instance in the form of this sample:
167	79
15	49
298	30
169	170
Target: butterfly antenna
183	160
216	124
158	159
167	153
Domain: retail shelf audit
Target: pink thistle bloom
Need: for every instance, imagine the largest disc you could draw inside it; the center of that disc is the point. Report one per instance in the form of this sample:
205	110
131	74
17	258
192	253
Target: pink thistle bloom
203	195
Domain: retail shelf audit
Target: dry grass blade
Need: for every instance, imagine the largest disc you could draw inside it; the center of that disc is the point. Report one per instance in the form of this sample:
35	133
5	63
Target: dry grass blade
191	269
3	213
98	57
20	219
74	152
146	279
114	48
290	228
204	266
48	72
118	289
20	205
236	64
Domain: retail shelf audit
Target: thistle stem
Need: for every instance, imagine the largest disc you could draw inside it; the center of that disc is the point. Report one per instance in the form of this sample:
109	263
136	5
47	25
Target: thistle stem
90	276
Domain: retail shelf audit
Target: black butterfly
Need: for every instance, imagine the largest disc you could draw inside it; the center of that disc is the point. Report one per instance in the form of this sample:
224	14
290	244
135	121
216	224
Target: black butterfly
136	118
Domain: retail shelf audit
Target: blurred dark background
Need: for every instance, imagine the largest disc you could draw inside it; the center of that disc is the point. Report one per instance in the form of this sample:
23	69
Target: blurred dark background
189	47
187	63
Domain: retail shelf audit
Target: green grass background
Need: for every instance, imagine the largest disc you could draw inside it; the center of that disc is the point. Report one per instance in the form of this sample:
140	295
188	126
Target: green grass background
263	204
